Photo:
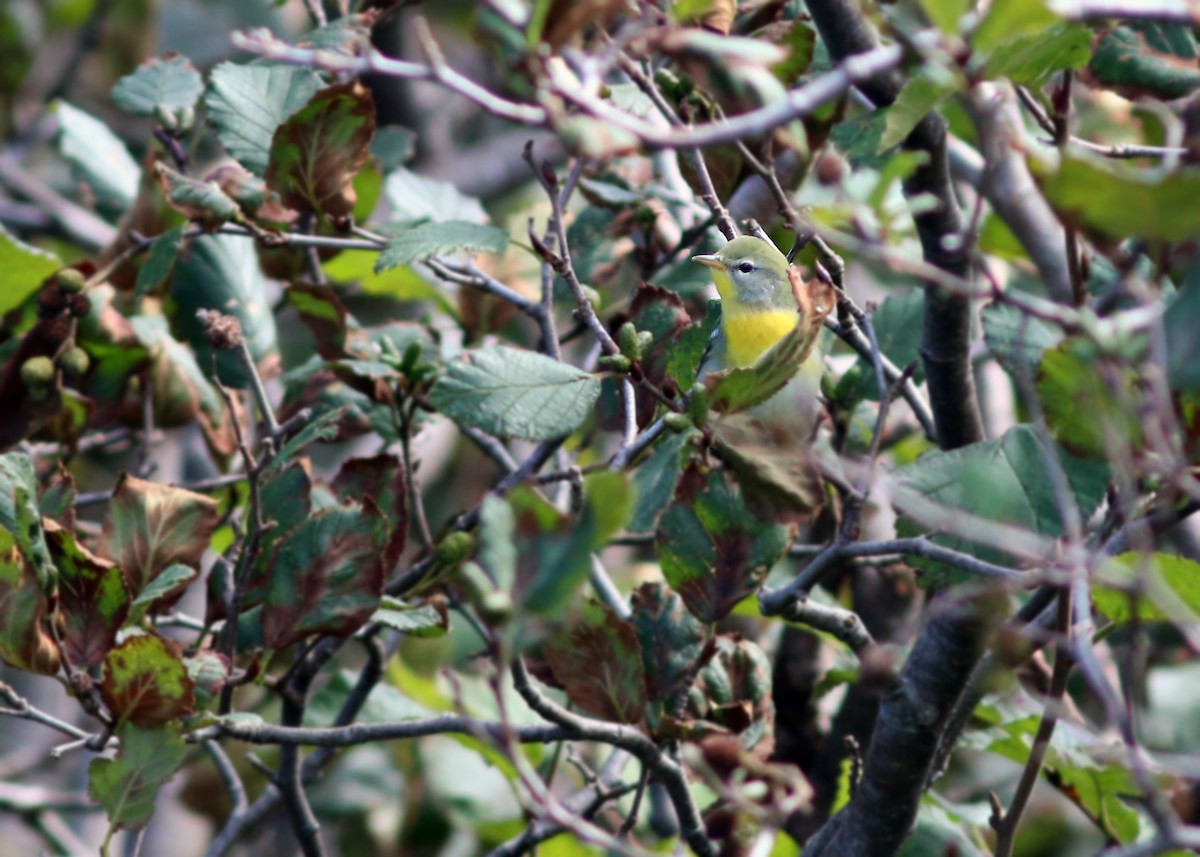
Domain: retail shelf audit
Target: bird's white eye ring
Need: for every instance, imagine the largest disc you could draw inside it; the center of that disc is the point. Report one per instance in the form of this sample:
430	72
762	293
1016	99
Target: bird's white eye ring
745	267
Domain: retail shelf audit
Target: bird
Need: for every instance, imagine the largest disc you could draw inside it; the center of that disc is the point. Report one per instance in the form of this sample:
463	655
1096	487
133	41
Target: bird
763	298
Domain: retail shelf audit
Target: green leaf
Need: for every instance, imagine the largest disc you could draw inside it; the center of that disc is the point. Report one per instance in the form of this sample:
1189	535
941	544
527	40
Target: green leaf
1016	340
97	156
734	390
326	575
129	785
426	240
416	620
898	322
1009	19
497	552
413	197
1031	59
20	515
247	103
598	660
25	268
160	261
514	393
323	427
1003	480
1163	588
221	272
150	527
146	683
318	151
920	95
1085	415
200	201
1124	201
169	584
561	547
1125	61
393	146
671	639
1183	346
25	640
655	482
713	552
401	283
93	600
169	84
286	497
945	14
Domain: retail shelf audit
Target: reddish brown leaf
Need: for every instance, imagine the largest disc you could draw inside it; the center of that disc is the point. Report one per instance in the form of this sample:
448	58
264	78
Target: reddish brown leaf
318	151
599	662
93	599
146	683
383	480
150	527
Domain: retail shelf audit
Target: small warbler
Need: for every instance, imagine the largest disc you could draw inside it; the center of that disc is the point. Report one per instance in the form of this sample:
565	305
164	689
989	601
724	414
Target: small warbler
762	299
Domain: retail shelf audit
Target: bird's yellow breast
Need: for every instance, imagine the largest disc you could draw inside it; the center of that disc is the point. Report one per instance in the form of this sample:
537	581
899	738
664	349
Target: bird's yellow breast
749	334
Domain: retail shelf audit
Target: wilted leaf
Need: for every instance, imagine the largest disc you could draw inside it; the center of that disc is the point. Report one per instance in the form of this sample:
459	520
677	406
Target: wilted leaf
149	527
383	480
97	157
169	84
200	201
733	691
326	575
145	682
713	552
773	467
598	660
317	152
129	785
247	103
426	240
93	600
671	639
25	268
514	393
25	640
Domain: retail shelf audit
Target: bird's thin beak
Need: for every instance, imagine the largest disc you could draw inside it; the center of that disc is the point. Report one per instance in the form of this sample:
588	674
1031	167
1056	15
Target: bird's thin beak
709	260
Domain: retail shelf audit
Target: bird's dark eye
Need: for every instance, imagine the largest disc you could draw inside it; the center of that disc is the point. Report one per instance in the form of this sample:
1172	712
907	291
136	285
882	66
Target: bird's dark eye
746	267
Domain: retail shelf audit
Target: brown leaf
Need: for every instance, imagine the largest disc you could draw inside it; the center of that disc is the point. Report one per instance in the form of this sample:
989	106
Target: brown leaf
316	154
151	526
599	662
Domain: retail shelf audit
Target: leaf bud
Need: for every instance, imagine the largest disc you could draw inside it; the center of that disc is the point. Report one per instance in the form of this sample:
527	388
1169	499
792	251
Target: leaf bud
37	372
454	548
677	422
71	280
75	362
616	363
627	337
